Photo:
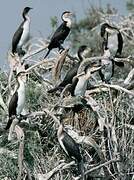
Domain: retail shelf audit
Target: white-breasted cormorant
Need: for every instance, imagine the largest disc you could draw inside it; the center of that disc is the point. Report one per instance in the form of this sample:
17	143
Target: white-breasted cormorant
17	101
72	72
70	147
61	33
79	83
107	70
105	30
21	36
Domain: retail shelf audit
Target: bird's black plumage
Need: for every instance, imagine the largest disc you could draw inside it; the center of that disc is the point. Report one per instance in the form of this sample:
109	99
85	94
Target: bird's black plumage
16	38
21	31
104	34
71	73
12	109
17	101
67	79
59	36
71	147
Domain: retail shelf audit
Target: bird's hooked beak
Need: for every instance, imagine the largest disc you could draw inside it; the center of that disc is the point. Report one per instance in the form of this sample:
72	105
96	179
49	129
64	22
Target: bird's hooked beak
80	74
111	30
95	68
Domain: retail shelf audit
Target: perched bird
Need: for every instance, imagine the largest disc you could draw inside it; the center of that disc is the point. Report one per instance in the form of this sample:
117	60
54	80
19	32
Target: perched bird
72	72
117	41
70	147
107	70
61	33
79	83
21	36
17	101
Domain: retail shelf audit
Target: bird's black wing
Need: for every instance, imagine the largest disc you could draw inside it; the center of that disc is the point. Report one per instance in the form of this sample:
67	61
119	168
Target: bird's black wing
71	147
101	75
67	79
13	104
16	37
73	85
119	50
61	33
112	67
69	76
12	109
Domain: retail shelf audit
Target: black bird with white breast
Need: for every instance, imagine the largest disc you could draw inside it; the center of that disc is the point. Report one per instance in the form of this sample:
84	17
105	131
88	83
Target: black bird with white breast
107	70
17	101
61	33
79	84
116	44
70	147
21	36
82	51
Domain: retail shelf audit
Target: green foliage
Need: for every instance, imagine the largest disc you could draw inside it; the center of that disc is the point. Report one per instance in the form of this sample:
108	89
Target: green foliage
130	5
33	92
54	22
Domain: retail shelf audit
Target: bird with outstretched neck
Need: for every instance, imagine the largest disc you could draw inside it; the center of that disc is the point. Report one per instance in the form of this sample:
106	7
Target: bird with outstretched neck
106	29
61	33
21	36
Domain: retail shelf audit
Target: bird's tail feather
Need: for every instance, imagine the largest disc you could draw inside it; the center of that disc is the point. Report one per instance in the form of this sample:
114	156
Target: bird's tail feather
8	124
47	53
81	169
120	64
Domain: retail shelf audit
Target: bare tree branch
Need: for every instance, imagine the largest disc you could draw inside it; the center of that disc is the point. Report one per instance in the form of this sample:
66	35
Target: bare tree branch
48	175
58	66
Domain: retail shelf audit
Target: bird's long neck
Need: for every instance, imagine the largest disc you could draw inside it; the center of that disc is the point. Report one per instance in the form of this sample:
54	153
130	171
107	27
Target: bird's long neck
60	130
26	17
67	21
80	56
106	53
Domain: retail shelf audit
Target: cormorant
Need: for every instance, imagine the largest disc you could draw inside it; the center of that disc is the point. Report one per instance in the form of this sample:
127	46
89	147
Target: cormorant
72	72
21	36
61	33
17	101
107	70
79	84
105	30
70	147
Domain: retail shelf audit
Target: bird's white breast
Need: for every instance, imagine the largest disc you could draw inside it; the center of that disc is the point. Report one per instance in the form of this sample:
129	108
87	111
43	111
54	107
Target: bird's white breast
81	86
25	34
21	98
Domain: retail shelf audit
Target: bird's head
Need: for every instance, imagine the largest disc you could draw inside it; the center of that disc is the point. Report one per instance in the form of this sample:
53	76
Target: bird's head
21	76
107	28
26	10
66	17
83	51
